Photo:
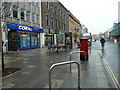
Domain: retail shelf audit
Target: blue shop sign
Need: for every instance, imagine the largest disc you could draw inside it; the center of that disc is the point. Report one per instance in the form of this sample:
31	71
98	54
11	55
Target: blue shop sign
23	28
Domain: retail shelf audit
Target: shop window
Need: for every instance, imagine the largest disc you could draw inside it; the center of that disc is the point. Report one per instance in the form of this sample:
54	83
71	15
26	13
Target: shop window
28	16
22	14
60	39
15	11
23	39
12	40
34	40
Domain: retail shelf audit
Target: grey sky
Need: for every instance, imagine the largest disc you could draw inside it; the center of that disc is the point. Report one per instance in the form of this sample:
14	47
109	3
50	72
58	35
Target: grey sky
97	15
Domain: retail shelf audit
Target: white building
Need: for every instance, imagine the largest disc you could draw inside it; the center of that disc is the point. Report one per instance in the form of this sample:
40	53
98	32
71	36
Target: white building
22	26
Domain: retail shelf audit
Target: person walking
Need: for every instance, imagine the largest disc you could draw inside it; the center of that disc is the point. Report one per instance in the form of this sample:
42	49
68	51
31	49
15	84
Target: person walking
102	41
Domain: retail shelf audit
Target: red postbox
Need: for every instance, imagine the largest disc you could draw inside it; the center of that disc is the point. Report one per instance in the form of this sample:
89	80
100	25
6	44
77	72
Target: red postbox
84	47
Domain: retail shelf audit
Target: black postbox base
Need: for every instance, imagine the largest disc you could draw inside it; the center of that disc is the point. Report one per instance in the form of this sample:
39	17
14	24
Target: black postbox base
82	57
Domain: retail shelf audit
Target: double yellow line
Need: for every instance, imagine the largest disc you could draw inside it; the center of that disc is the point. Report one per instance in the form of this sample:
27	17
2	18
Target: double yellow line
115	81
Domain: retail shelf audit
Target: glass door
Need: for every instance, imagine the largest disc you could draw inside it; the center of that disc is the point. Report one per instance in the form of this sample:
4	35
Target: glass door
23	40
12	40
48	40
34	40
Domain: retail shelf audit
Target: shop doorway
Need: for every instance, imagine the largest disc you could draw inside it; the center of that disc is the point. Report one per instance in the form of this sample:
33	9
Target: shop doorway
12	40
49	40
68	39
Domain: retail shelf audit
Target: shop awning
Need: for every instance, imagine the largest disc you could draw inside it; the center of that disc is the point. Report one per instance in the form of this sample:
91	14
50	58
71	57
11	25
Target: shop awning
22	27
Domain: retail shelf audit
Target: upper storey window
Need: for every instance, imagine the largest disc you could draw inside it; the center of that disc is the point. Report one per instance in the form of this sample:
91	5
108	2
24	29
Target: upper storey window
15	11
47	4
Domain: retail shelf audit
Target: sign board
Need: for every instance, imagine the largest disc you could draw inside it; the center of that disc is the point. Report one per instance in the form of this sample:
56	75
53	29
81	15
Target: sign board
56	31
22	27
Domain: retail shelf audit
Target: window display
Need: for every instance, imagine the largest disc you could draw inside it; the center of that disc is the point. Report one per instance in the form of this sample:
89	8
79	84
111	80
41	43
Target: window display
19	40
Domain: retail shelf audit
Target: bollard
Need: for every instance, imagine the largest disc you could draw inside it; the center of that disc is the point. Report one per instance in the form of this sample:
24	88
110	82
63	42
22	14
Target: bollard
84	47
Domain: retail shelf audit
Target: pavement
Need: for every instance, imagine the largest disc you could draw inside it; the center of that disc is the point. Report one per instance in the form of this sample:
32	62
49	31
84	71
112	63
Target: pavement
35	64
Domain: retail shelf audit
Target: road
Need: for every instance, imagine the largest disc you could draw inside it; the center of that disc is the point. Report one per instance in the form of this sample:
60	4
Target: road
111	56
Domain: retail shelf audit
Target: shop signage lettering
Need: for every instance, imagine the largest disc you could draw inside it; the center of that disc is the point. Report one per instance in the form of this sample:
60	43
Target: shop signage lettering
25	28
56	31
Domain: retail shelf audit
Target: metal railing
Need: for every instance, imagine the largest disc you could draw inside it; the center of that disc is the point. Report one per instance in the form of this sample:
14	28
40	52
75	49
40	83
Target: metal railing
76	52
64	63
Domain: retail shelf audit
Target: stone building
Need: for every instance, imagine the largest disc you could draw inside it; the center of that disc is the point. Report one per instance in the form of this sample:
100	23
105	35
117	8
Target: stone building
21	21
54	22
74	29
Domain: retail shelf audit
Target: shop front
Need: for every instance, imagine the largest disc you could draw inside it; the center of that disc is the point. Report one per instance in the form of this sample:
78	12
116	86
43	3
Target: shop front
22	37
68	39
60	38
49	37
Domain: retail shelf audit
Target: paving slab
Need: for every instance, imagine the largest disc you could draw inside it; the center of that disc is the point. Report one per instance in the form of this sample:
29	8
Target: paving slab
35	65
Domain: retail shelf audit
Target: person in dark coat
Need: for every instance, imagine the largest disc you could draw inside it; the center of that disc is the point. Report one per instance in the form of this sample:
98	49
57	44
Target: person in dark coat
102	41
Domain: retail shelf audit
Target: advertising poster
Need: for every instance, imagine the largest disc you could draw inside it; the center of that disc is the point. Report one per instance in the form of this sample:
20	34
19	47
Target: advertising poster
36	41
32	41
24	42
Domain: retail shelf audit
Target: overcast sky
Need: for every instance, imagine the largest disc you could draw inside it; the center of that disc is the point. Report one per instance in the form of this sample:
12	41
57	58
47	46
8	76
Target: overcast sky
97	15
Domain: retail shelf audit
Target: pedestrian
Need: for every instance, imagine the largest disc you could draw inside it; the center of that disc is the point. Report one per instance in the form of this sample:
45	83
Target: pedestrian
102	41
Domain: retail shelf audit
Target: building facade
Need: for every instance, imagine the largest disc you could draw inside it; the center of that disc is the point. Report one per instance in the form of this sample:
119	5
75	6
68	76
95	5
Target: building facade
21	21
75	30
115	33
54	22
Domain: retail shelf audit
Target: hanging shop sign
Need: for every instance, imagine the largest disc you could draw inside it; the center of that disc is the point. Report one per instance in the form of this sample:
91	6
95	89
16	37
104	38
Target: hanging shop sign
56	31
62	33
51	31
46	31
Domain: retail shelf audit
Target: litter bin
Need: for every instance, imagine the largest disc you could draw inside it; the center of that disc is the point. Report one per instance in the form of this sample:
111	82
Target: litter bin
84	47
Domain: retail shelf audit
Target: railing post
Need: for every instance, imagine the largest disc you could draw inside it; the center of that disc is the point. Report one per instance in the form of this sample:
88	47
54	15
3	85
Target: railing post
64	63
76	52
49	79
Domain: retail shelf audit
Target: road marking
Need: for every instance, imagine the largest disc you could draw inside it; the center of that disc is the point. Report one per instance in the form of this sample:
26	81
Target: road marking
115	81
111	76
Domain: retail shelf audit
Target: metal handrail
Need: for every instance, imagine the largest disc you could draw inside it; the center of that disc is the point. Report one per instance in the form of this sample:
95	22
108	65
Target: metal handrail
76	52
64	63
